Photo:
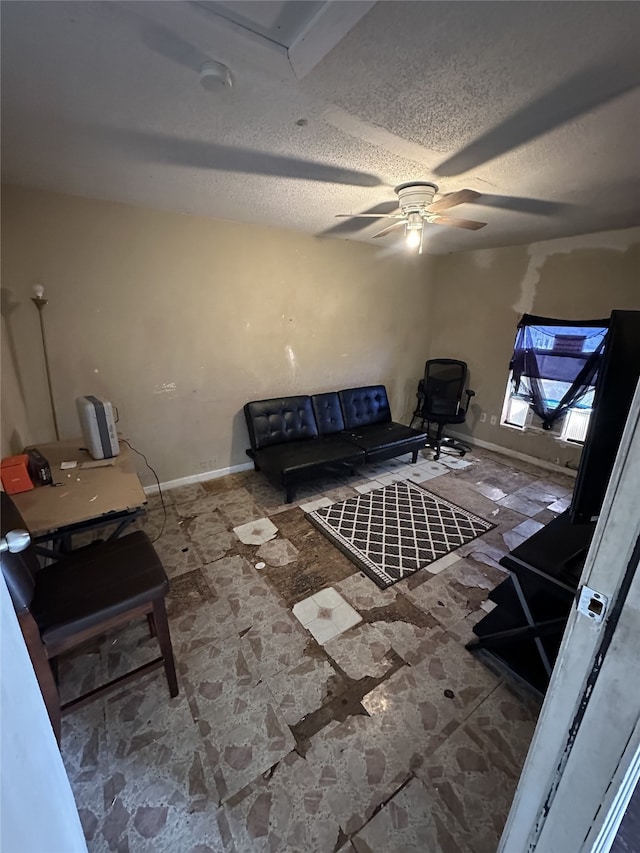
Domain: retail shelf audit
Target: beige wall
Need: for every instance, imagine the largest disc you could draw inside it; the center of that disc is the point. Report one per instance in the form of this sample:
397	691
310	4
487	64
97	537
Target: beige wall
180	320
480	296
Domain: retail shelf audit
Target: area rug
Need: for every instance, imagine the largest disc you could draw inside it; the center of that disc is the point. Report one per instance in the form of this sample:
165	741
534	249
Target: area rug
395	530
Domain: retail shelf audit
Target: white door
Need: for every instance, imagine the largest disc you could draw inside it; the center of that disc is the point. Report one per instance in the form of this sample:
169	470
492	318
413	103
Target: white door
585	755
37	810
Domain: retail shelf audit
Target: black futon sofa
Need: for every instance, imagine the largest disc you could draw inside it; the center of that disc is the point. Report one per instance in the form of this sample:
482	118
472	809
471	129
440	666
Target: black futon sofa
294	439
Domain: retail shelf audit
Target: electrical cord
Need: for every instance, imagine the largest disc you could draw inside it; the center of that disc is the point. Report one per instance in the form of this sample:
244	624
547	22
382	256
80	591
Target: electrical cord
146	462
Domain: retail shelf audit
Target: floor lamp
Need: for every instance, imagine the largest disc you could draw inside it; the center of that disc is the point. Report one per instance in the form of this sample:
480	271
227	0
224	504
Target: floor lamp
39	301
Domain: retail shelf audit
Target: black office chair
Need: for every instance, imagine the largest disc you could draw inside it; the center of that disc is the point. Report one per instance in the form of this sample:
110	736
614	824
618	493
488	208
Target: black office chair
440	401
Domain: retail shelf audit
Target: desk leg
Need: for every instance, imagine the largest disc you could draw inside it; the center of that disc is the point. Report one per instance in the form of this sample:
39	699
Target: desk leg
527	612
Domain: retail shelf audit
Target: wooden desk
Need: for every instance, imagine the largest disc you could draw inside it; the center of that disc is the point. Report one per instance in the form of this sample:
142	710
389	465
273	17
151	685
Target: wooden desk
86	498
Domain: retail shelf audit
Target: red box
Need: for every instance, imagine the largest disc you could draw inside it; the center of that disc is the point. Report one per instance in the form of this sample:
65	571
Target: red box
15	474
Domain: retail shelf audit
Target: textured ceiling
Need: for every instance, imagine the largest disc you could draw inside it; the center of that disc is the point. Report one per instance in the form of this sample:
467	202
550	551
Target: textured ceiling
534	105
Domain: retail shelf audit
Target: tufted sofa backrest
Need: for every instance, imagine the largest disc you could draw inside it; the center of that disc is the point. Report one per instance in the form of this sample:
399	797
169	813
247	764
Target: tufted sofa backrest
279	420
362	406
328	412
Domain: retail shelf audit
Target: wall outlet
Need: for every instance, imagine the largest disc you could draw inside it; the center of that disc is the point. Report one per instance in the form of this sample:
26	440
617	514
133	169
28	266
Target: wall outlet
483	417
494	420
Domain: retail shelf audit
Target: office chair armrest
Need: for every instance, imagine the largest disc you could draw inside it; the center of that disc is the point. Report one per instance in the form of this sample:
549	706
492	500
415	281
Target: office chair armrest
469	394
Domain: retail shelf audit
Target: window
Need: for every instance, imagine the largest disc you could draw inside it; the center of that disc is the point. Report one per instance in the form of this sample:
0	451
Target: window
553	375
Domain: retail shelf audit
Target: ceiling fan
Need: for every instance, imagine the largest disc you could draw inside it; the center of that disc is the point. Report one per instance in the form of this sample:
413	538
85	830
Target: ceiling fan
417	207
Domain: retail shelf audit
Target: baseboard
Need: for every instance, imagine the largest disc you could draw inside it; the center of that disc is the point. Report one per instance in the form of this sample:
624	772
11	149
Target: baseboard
246	466
514	454
198	478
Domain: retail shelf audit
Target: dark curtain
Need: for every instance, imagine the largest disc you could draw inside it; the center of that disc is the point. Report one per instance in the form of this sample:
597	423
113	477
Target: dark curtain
563	363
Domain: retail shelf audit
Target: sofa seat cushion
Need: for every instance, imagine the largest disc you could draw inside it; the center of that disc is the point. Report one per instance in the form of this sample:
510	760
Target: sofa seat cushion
380	441
300	458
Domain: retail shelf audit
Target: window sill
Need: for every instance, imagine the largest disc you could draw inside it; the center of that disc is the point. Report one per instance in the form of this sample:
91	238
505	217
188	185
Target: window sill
536	430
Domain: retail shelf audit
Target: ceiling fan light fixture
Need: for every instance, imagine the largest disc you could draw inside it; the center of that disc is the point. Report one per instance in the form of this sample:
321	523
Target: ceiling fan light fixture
413	231
414	237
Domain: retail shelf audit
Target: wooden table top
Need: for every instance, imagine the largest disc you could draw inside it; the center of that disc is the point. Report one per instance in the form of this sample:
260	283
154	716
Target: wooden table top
82	493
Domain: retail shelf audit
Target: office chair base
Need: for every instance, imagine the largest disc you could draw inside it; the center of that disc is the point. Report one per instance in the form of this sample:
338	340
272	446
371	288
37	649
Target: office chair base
449	445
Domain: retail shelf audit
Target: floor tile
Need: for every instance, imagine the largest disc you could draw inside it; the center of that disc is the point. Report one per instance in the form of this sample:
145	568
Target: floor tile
454	462
177	553
528	528
316	504
184	494
364	488
512	539
331	623
525	506
360	652
491	492
306	610
188	591
256	532
276	643
243	730
398	463
542	491
278	552
363	594
303	688
326	614
408	822
460	774
419	475
200	505
389	478
423	703
210	536
437	598
433	469
328	597
560	505
443	563
238	506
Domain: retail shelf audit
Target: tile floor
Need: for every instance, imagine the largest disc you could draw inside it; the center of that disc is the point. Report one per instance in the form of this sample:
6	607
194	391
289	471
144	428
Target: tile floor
316	712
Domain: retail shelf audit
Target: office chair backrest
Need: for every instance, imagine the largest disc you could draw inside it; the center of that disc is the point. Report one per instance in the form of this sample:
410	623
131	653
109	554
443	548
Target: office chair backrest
444	381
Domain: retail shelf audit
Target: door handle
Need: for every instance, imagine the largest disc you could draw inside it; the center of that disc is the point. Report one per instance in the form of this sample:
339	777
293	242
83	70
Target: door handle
15	541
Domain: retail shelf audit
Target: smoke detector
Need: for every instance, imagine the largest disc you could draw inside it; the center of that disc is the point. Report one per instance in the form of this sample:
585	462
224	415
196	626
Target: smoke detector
214	76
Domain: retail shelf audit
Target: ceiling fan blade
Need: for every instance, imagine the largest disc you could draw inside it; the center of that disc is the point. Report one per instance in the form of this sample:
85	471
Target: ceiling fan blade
389	228
586	90
348	226
369	216
451	200
470	224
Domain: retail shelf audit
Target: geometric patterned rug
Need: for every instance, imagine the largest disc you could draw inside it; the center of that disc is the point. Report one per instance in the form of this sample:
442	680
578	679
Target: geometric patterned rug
395	530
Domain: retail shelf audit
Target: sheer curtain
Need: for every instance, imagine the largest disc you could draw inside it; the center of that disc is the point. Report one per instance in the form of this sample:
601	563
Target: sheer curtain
555	363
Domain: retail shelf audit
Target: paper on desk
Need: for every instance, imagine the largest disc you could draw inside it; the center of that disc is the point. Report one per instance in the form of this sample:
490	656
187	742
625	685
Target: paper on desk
65	465
98	463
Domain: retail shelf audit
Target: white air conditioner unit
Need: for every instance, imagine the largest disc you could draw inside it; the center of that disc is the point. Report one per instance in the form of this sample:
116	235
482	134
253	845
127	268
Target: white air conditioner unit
575	425
517	413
